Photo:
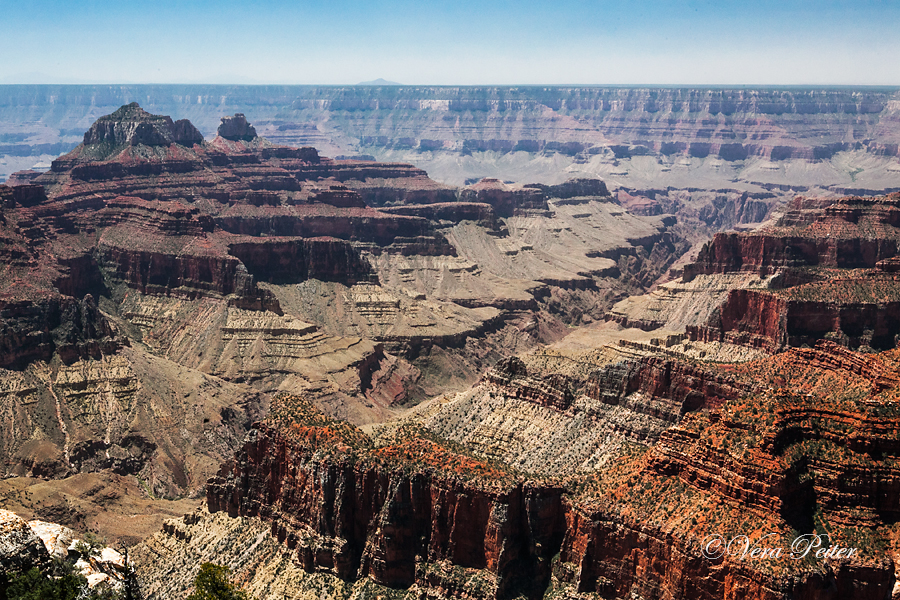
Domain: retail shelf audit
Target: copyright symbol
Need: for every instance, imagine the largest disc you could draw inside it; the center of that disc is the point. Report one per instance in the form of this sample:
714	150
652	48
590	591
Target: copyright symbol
713	546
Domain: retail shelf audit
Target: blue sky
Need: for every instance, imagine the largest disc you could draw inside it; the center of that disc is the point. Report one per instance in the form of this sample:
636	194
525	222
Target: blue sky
452	43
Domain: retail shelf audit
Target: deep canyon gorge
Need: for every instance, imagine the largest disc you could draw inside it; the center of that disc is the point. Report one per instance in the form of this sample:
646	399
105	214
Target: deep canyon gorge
431	342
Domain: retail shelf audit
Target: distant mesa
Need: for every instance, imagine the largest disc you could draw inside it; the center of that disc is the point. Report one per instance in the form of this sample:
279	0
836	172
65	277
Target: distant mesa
131	125
236	128
379	81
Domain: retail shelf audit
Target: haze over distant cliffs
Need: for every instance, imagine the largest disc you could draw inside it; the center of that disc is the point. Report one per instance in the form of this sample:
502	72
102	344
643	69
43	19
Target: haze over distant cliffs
837	139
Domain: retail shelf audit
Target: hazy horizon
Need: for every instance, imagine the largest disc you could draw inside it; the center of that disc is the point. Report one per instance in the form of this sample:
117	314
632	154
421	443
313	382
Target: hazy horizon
345	42
631	86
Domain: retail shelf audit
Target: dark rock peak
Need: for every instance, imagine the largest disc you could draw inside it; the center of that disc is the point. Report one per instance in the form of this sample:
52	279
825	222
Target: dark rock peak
131	125
236	128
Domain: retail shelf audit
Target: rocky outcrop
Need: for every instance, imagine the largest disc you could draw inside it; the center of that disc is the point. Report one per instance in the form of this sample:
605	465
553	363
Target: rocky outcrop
26	194
236	128
506	199
413	510
69	328
844	233
682	385
764	254
750	317
20	547
797	456
800	316
161	272
348	514
830	276
51	548
133	126
554	391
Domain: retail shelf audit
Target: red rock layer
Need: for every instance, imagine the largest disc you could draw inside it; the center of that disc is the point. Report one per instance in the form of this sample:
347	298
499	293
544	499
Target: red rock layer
616	558
147	204
688	385
848	444
667	388
845	233
833	263
382	513
394	511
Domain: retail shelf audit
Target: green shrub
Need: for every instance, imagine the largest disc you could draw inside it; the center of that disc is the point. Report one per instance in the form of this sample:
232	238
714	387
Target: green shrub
211	583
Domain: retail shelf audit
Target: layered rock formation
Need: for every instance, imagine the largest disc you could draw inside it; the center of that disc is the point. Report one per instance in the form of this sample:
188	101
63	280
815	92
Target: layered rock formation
133	126
828	270
747	139
158	290
761	450
356	519
157	287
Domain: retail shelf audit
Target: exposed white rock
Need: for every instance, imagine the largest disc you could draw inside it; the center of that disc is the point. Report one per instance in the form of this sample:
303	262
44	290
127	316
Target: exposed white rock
57	539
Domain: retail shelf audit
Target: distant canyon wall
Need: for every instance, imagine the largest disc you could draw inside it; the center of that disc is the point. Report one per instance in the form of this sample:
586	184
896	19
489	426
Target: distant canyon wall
577	123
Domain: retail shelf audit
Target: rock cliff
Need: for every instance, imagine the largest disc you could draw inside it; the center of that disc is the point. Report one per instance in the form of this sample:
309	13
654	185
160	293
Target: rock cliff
350	511
828	265
411	510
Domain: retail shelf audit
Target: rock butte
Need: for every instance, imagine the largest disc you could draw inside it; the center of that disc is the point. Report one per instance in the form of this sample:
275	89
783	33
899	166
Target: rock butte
163	295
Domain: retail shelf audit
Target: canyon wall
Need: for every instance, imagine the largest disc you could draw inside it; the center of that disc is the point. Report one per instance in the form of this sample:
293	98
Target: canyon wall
602	131
410	509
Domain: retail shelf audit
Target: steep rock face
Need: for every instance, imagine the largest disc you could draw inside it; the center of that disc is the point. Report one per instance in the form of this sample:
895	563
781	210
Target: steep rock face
829	264
160	273
772	321
505	199
764	253
236	128
70	328
750	317
25	194
683	385
614	558
355	518
845	233
293	260
410	510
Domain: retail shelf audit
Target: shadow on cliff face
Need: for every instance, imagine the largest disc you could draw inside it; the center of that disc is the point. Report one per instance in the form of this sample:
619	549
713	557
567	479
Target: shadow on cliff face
296	260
